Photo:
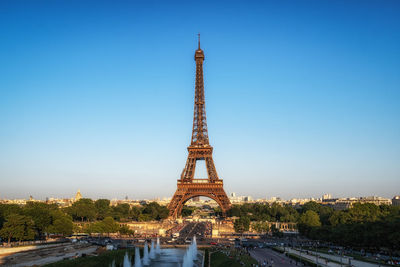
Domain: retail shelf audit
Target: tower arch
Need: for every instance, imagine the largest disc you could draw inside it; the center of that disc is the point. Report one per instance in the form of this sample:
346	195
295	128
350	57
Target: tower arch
211	196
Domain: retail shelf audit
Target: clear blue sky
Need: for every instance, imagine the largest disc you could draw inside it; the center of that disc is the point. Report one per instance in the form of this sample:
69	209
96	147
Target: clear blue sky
302	97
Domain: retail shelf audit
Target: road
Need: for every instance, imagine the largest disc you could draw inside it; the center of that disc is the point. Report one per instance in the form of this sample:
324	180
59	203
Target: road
270	256
199	229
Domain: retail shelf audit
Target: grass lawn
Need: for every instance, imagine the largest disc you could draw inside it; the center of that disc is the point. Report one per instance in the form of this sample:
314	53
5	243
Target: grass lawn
230	258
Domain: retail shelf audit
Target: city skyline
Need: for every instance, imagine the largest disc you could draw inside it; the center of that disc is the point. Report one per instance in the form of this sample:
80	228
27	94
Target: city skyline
302	99
233	196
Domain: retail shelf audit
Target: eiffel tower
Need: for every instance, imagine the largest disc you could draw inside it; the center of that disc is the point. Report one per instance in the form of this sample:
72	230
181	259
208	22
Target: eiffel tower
199	149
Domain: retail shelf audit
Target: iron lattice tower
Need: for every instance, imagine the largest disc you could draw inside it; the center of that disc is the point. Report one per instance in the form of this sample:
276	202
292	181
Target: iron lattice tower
199	149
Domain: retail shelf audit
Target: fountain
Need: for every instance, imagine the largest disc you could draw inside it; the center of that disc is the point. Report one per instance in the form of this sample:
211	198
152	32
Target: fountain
194	247
191	254
158	248
152	254
182	257
138	262
127	262
187	259
146	260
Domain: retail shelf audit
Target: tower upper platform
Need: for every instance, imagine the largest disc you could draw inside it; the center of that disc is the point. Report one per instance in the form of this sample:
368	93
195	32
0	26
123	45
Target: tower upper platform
199	54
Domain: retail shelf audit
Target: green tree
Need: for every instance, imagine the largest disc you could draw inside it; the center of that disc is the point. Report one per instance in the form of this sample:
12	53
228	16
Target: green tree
106	226
311	205
102	208
339	217
144	217
308	221
121	211
83	209
274	211
187	211
125	230
291	216
18	227
8	209
109	225
134	213
41	215
77	228
310	218
261	227
155	211
62	224
364	212
95	227
235	211
242	224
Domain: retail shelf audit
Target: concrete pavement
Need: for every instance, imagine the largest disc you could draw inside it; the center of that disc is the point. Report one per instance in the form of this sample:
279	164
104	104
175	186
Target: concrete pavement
270	256
345	260
313	258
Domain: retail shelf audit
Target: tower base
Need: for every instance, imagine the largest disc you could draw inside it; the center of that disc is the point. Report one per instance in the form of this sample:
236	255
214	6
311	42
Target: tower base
198	187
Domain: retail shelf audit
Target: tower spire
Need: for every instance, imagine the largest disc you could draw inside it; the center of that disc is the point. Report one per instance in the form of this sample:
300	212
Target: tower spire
199	39
199	132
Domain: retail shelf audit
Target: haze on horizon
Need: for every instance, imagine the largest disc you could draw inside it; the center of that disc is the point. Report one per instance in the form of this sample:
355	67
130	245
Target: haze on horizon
302	98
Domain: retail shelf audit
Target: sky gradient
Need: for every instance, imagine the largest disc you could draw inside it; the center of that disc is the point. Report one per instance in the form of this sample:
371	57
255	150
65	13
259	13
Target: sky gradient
302	97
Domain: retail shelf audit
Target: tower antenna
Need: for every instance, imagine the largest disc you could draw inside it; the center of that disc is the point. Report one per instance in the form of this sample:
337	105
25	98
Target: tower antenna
199	39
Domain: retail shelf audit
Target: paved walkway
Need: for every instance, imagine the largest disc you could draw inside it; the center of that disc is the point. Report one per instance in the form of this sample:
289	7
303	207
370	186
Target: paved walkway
4	251
270	256
313	258
46	255
345	260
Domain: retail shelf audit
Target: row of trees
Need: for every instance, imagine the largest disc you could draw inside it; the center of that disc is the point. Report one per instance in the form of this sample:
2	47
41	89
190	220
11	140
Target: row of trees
106	226
86	209
37	220
363	225
265	212
33	220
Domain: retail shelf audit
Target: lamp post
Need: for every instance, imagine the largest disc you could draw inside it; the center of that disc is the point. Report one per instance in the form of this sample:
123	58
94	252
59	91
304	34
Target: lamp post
301	248
341	255
316	254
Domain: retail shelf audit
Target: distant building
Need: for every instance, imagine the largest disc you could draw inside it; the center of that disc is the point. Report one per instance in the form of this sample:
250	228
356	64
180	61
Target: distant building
396	201
78	195
196	199
248	199
346	203
326	196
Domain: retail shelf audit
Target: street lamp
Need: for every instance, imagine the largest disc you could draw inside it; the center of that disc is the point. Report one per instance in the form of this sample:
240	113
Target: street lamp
341	255
301	248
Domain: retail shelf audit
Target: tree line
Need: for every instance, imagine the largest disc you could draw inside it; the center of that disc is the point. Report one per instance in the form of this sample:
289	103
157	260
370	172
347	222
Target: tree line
37	220
86	209
363	225
33	220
